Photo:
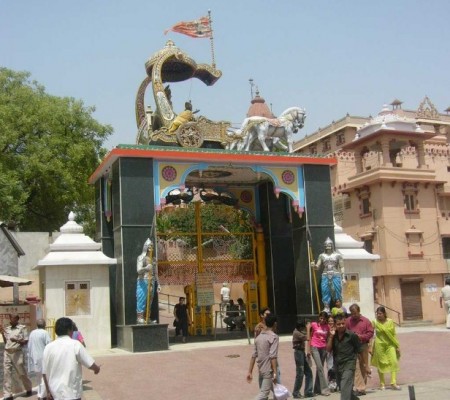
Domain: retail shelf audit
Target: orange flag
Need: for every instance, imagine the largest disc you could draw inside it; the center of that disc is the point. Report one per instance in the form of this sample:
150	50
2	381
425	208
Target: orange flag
199	28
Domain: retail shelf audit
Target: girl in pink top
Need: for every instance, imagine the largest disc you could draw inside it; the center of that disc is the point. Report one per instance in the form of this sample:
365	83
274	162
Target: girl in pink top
318	334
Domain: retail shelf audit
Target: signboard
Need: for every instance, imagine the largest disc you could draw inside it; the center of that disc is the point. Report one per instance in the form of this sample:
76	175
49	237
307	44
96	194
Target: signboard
431	288
205	289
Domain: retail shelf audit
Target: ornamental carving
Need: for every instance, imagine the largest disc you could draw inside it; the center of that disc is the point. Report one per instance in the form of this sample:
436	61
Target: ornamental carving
169	173
288	177
427	110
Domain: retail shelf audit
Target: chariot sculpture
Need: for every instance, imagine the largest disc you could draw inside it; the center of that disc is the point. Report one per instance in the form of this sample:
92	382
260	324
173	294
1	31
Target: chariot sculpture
173	65
162	126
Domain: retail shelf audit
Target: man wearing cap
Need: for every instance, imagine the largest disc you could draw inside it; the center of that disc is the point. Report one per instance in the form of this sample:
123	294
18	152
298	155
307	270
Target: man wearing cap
15	337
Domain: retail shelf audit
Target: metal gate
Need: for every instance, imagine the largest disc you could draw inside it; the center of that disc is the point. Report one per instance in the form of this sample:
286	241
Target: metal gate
411	301
208	240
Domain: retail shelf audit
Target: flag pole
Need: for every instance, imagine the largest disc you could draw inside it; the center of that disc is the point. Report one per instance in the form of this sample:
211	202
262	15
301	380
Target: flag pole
211	40
150	288
311	261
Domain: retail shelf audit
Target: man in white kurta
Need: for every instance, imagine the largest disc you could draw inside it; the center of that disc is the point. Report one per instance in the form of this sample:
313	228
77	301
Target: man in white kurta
63	361
445	301
224	296
39	338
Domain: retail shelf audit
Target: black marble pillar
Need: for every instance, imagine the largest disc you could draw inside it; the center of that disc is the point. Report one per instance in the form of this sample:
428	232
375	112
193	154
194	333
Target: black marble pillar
319	217
104	230
276	216
133	213
290	283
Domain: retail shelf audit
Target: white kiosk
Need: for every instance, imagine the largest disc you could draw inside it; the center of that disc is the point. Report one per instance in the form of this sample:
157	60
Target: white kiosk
75	276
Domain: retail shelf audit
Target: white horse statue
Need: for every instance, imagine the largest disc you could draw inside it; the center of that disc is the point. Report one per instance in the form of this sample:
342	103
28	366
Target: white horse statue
271	130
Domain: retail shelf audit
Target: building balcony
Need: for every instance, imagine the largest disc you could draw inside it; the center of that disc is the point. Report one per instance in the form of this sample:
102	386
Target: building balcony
390	174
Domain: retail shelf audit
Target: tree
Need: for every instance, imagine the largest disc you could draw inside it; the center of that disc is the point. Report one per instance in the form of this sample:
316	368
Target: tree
49	146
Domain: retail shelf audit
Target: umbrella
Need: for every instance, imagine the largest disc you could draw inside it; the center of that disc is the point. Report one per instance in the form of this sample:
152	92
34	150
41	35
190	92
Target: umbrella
9	281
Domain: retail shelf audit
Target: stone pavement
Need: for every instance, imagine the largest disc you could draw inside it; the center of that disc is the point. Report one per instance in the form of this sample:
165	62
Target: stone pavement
217	370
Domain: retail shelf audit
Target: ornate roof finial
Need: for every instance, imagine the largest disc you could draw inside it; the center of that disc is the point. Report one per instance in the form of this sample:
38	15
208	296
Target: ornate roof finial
71	226
427	110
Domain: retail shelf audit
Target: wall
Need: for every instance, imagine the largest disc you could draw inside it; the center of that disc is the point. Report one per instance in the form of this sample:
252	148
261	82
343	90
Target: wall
390	294
96	327
364	269
35	245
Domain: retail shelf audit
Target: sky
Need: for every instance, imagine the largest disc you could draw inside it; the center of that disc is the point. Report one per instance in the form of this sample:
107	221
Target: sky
330	57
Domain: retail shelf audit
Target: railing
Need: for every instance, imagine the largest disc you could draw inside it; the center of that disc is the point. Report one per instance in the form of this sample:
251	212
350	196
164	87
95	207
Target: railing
167	303
172	305
391	309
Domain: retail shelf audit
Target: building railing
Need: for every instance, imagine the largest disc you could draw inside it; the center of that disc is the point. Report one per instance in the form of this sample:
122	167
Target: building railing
391	309
165	299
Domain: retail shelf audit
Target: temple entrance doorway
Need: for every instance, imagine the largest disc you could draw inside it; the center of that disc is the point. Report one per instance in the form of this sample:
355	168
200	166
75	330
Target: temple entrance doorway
202	244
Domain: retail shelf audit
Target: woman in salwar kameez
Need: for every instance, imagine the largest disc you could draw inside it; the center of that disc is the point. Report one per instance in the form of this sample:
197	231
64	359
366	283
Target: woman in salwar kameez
386	348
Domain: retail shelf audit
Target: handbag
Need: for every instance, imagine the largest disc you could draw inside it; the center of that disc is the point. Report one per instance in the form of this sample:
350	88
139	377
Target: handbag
280	392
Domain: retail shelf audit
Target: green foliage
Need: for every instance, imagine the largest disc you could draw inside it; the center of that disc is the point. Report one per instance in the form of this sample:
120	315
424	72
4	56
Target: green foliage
49	146
214	218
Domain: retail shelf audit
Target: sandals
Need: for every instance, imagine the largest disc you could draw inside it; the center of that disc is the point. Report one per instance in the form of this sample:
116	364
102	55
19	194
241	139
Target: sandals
381	387
395	387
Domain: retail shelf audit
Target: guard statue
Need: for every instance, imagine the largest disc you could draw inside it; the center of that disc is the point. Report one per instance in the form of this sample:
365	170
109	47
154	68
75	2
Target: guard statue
332	274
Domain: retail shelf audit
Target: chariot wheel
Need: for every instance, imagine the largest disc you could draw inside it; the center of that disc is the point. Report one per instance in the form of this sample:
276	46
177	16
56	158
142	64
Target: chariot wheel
189	135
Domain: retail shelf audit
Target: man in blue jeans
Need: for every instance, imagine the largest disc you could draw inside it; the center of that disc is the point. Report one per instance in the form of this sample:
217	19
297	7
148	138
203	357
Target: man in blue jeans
302	366
346	347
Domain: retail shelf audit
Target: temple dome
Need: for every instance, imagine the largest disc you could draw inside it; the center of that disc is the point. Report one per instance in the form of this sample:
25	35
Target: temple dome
259	108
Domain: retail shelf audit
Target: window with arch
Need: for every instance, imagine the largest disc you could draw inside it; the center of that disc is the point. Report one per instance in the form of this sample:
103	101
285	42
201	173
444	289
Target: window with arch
410	202
340	139
326	145
414	240
365	206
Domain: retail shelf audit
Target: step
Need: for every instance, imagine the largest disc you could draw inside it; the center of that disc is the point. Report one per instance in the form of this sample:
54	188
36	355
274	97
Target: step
413	323
221	334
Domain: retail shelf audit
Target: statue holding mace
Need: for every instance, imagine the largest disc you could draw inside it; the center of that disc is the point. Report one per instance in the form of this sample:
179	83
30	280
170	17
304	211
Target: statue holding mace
332	274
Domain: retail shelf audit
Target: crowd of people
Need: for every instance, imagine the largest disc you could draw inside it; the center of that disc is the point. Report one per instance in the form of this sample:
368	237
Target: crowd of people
57	364
342	346
350	339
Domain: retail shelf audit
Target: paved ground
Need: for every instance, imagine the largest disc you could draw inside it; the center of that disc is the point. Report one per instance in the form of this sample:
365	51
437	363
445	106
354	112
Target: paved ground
217	370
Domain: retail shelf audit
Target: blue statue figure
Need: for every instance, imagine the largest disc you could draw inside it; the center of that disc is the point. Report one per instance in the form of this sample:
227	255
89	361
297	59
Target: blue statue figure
147	270
332	274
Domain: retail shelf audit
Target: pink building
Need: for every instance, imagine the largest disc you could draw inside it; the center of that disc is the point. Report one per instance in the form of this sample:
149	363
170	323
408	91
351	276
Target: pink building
391	190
